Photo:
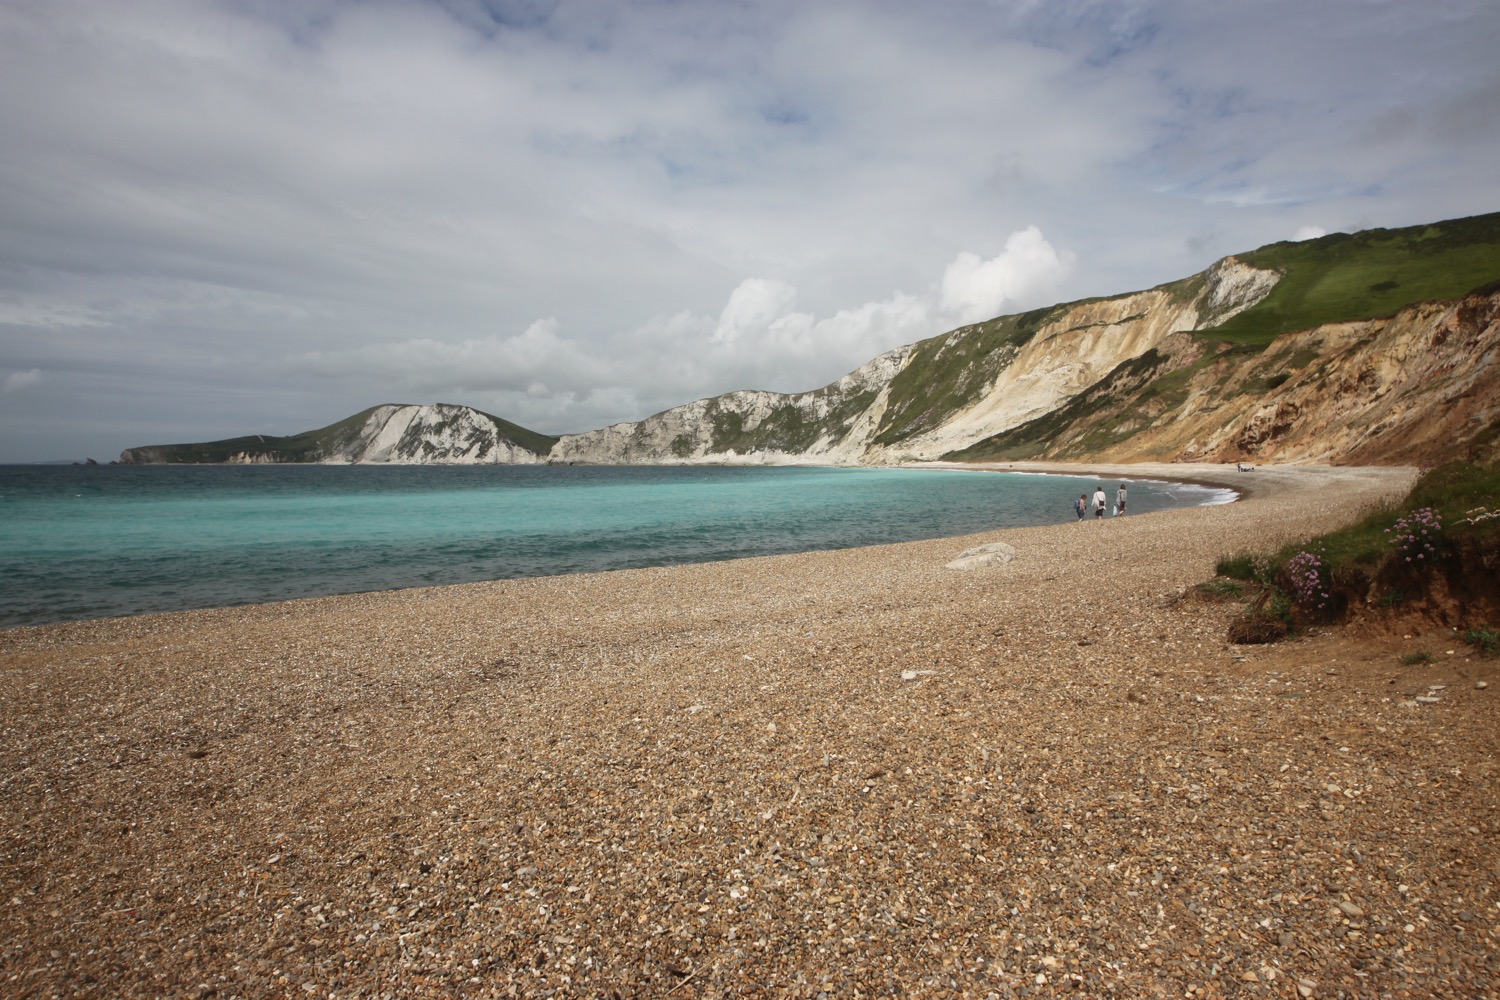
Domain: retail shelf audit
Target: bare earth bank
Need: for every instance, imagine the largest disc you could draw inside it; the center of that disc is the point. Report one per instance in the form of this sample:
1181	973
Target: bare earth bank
844	773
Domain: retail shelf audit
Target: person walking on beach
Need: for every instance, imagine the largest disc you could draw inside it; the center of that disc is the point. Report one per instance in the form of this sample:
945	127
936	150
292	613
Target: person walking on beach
1081	506
1100	502
1120	501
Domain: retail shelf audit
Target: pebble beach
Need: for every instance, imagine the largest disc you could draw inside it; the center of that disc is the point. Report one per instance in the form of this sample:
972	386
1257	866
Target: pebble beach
846	774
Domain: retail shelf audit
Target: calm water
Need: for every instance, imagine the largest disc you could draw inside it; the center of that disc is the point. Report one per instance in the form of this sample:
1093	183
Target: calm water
90	542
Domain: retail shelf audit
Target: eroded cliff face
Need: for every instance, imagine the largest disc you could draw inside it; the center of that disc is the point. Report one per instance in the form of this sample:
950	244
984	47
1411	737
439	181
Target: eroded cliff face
1129	378
1417	388
1082	344
1015	376
434	434
1420	387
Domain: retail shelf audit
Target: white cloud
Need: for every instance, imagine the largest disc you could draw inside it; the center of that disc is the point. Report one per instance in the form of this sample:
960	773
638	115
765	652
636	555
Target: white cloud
538	355
1028	271
17	381
753	307
49	315
1308	233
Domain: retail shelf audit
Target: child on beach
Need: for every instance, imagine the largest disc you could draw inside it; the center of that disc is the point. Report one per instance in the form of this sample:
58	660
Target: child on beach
1081	506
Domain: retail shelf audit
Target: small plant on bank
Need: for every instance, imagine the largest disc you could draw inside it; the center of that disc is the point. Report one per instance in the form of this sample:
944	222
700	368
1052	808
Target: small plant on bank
1220	589
1416	659
1485	639
1247	567
1281	608
1233	567
1416	536
1236	567
1308	578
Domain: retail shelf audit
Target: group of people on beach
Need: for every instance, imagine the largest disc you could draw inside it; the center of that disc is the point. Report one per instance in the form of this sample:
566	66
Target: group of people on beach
1101	501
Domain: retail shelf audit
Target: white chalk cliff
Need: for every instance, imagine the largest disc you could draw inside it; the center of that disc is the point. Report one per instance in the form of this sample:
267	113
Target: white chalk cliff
392	434
433	434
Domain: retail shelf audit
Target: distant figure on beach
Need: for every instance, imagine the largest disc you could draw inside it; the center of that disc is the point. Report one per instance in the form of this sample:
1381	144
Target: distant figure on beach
1100	502
1120	501
1241	467
1081	506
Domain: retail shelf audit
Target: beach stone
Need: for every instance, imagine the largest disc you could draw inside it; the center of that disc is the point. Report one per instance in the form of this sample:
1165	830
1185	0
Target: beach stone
1350	910
982	556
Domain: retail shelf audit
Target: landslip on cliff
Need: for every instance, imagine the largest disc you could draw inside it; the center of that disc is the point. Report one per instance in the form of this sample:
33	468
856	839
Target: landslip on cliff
1415	388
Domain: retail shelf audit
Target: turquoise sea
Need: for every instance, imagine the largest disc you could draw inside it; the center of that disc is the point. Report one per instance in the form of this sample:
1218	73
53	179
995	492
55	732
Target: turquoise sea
82	542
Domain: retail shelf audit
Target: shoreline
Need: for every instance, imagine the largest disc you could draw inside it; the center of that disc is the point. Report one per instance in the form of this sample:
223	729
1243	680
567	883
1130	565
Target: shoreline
830	772
1208	477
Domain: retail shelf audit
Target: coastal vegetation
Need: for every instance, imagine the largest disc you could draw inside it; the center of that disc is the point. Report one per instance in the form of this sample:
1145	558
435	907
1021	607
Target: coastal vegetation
307	446
1436	554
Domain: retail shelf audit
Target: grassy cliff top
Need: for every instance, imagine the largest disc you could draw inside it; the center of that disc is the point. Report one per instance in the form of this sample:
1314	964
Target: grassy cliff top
1376	272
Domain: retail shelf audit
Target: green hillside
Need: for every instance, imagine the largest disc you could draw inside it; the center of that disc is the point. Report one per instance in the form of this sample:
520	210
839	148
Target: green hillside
308	446
1376	272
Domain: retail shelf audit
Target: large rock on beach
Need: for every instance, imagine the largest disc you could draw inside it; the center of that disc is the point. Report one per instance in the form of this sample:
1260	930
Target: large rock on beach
984	556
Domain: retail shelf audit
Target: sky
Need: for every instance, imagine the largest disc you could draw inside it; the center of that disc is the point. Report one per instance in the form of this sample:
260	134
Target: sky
227	217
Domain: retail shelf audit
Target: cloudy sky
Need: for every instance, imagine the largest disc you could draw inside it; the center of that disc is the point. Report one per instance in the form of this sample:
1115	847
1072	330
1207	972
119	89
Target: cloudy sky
221	217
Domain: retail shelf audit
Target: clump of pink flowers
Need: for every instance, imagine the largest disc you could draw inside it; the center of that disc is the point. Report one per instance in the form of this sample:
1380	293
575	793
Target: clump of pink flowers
1415	535
1306	573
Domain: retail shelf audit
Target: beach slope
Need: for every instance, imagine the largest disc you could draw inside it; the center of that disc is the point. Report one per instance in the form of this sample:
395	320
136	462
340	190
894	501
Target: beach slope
841	773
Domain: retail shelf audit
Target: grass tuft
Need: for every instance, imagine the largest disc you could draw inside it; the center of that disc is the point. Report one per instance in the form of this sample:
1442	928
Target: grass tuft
1485	639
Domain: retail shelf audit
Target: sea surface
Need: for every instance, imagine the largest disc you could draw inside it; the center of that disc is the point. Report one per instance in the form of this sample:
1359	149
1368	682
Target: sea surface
81	542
